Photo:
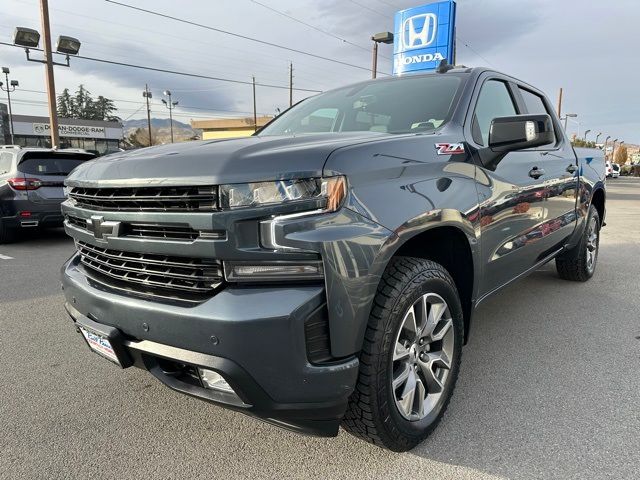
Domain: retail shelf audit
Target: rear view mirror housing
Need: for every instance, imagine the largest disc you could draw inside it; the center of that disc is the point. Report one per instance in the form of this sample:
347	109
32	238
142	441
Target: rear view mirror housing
516	132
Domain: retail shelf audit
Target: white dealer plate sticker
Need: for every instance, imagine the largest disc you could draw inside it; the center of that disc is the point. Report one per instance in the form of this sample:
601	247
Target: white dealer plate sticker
100	345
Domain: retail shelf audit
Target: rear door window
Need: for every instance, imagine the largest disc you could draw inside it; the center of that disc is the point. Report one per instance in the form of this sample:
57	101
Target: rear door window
535	104
49	165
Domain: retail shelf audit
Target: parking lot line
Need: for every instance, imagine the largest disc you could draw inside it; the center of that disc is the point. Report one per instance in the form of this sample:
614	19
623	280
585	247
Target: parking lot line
5	257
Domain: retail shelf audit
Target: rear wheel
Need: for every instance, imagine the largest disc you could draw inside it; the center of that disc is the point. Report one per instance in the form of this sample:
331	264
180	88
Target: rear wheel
579	263
7	235
410	357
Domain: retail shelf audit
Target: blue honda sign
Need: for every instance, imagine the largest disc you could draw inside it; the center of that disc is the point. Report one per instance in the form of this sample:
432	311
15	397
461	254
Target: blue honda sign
424	36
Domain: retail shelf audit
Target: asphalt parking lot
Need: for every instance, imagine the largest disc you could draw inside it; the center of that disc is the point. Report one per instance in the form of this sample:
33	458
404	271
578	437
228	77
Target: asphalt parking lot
549	388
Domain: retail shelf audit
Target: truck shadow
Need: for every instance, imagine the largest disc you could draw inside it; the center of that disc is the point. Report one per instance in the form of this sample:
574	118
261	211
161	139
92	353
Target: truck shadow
527	402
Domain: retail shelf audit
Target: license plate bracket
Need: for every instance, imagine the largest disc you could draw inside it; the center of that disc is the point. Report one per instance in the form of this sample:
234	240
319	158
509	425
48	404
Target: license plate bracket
105	341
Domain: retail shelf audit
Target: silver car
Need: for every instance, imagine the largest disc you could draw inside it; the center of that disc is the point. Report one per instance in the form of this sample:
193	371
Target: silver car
31	186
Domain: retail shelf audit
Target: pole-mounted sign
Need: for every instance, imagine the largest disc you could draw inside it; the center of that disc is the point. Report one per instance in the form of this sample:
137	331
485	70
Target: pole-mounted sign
424	36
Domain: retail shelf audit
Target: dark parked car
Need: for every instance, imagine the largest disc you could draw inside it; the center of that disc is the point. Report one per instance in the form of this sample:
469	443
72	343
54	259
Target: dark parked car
325	271
31	187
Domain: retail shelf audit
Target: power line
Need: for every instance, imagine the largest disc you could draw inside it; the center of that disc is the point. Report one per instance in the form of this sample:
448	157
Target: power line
142	105
362	6
237	35
184	107
313	27
173	72
388	4
164	35
474	51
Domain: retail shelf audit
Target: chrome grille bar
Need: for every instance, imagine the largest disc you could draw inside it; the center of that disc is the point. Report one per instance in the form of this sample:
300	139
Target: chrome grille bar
154	231
151	270
174	199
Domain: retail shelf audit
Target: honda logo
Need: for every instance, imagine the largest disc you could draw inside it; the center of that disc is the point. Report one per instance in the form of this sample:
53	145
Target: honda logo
102	229
419	31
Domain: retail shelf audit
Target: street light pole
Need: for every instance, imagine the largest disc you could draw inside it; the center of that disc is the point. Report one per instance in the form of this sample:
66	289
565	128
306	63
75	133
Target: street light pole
11	86
170	105
374	61
567	115
586	132
255	113
382	37
606	140
51	87
598	136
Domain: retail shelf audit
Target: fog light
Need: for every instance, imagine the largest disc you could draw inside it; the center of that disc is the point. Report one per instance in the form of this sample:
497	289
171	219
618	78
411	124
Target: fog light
214	381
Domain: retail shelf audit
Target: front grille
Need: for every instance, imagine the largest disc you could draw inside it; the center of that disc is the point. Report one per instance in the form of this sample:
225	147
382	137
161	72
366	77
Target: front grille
77	222
153	271
161	231
148	230
147	199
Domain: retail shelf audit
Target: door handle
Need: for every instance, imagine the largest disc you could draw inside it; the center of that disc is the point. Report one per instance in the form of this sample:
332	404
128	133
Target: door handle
572	168
536	172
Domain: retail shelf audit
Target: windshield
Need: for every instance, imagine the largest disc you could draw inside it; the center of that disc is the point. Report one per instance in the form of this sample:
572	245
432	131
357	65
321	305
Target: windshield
406	105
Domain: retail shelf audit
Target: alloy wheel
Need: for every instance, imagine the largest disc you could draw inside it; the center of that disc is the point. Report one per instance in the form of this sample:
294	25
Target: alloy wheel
422	356
592	244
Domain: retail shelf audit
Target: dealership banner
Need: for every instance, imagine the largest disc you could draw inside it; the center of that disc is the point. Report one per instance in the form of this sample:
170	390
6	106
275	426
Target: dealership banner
423	37
70	130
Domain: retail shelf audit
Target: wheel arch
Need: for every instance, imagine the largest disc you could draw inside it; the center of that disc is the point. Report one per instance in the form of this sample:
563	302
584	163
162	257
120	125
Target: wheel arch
454	246
598	201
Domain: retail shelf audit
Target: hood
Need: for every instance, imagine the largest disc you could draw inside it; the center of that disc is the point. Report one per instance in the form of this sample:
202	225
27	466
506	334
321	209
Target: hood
214	162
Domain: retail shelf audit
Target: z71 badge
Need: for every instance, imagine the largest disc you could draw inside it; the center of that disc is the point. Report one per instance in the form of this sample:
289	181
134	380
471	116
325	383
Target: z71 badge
450	148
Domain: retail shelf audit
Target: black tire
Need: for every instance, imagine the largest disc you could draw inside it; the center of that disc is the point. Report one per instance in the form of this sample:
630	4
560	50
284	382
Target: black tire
373	414
7	235
574	264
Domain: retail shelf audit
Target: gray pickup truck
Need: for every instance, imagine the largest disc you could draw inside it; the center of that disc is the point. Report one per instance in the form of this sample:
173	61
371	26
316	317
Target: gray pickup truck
325	271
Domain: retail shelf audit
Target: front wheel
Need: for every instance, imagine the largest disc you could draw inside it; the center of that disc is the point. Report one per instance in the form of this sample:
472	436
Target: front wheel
410	358
579	263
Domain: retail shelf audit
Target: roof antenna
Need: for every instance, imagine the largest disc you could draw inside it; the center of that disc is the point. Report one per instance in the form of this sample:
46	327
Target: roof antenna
444	67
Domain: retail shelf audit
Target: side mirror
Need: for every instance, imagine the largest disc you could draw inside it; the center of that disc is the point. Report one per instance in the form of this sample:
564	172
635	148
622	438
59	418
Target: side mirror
517	132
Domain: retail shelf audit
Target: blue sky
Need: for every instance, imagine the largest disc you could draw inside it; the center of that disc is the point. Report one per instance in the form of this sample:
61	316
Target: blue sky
588	48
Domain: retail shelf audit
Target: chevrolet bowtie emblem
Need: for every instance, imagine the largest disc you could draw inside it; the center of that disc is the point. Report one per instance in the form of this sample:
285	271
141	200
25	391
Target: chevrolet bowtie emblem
102	229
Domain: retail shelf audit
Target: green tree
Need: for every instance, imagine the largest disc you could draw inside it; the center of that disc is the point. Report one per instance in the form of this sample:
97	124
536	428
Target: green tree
65	104
578	142
82	105
103	108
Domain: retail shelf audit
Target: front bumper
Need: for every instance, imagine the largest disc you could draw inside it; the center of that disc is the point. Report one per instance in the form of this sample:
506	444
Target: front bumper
253	336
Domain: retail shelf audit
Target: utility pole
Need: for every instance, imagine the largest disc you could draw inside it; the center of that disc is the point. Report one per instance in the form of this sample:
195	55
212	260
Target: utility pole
255	114
147	95
560	105
48	61
291	84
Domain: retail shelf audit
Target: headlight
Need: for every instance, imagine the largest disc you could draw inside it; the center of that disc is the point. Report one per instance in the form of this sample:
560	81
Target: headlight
238	195
65	191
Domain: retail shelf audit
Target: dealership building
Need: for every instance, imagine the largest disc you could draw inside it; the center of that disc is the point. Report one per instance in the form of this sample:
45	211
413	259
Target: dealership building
229	127
31	131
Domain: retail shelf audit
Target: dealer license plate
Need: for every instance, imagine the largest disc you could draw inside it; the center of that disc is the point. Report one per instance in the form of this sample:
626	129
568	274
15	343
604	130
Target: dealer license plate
100	344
